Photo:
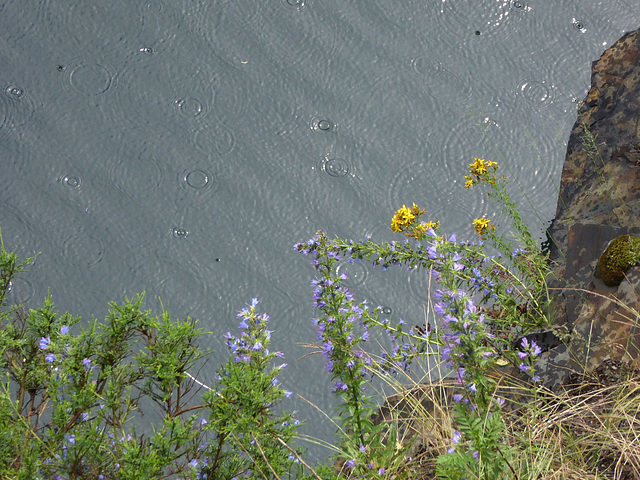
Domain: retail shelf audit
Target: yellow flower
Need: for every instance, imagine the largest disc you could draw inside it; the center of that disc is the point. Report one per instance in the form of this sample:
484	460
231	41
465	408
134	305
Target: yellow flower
478	167
403	218
481	166
469	182
481	224
429	225
420	230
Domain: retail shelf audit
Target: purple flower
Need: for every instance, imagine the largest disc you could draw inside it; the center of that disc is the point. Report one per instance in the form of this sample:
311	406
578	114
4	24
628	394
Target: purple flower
50	357
536	349
71	438
350	463
339	386
44	342
456	437
524	367
64	330
327	348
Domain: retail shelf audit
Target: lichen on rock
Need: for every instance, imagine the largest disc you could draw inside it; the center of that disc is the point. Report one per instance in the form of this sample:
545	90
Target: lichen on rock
622	253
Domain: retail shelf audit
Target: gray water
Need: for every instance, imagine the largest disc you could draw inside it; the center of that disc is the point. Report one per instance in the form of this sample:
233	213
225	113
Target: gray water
182	147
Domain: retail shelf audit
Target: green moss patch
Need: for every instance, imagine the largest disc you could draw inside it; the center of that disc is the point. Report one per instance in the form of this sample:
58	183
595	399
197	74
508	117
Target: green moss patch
622	253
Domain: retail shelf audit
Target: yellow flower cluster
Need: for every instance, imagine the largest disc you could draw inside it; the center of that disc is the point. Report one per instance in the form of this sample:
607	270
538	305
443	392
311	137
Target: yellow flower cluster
482	224
407	219
478	170
404	217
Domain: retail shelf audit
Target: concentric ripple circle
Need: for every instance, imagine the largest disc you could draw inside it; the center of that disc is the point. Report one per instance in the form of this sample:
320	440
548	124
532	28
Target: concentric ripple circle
198	180
442	82
334	166
190	107
149	89
83	250
180	233
137	173
215	138
89	79
356	272
322	124
536	94
519	6
154	6
21	291
298	4
71	181
20	105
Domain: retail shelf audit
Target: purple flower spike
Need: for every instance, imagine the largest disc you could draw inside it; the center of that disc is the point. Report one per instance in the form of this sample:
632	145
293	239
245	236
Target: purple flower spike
44	342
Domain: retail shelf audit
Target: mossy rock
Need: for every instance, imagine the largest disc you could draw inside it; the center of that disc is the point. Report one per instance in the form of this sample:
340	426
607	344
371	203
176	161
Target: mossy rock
622	253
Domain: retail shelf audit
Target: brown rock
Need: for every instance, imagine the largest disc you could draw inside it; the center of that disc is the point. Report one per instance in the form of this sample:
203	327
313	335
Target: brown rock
599	201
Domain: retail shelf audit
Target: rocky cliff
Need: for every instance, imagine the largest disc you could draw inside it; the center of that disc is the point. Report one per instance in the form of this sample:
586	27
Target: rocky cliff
599	201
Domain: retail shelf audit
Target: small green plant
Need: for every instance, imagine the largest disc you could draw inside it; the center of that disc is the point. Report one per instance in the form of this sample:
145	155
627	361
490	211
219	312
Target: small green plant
69	396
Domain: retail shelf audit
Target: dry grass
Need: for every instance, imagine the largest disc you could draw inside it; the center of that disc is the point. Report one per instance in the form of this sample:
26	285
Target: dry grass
588	430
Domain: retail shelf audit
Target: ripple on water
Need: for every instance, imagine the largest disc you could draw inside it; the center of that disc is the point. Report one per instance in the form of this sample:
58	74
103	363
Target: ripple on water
80	249
284	32
17	159
73	184
467	19
296	4
86	77
153	7
71	181
334	166
149	89
17	231
137	173
197	180
356	272
210	238
21	291
535	94
323	125
215	138
397	106
19	105
415	180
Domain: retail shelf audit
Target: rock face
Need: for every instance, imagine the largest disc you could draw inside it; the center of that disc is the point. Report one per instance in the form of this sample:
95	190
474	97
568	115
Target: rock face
599	201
